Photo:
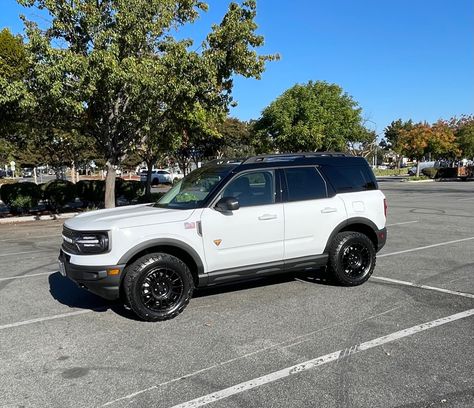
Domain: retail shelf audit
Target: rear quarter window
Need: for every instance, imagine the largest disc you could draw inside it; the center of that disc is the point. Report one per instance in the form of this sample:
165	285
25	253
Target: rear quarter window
346	179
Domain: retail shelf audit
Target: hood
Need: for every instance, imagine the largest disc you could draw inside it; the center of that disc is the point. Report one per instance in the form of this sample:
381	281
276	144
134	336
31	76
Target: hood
126	217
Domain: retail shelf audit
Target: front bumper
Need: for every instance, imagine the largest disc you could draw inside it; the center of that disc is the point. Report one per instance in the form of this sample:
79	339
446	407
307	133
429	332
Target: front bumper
93	278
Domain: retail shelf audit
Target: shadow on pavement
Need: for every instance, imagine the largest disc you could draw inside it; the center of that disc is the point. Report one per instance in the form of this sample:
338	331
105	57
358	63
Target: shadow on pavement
68	293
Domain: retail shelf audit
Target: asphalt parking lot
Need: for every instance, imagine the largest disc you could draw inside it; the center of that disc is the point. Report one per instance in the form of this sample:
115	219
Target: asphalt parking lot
291	341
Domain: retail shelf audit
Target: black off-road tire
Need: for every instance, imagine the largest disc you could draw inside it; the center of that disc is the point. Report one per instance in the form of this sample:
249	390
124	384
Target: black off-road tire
352	258
149	277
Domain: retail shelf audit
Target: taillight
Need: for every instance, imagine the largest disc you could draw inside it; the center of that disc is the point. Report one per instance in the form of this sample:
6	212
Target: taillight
385	207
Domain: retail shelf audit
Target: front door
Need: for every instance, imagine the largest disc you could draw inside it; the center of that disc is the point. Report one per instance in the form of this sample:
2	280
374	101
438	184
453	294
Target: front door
251	235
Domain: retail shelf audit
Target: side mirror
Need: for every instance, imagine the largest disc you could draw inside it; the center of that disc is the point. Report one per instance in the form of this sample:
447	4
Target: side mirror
228	204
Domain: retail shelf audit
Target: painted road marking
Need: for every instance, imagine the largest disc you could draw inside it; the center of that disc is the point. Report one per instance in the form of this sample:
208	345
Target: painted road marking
416	285
401	223
319	361
29	252
426	247
44	319
27	276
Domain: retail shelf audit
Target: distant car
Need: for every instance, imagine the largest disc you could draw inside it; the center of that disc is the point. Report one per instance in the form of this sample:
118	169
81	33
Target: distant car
157	177
3	173
27	172
423	165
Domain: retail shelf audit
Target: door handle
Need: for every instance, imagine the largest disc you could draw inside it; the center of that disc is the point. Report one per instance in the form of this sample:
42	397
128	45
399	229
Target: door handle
265	217
328	210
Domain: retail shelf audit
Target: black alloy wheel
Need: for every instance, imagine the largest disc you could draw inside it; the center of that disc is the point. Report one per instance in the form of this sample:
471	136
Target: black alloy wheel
352	258
157	286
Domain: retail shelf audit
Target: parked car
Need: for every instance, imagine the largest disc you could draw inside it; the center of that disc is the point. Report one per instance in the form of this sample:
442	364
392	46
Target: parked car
3	173
229	221
27	172
423	165
157	177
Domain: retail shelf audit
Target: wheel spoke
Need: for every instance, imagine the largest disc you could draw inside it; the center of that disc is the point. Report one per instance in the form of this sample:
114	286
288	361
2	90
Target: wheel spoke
161	289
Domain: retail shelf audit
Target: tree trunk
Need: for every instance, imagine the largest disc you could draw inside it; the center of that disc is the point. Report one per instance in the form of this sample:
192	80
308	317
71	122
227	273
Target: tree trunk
73	172
35	176
149	166
417	168
110	186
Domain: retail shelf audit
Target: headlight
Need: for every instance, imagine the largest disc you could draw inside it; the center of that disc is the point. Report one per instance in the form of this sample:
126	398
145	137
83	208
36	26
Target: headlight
92	243
81	242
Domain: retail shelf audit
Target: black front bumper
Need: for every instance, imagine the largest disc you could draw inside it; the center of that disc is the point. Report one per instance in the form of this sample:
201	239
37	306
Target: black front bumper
93	278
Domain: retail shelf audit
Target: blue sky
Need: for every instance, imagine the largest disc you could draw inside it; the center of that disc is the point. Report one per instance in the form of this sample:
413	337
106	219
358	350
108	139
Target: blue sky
397	58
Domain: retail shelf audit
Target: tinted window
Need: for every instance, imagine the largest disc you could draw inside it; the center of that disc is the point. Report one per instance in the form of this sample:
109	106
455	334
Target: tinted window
350	178
255	188
304	183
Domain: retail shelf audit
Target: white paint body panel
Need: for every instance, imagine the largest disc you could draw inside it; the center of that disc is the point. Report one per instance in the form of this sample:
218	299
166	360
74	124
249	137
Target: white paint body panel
365	204
249	236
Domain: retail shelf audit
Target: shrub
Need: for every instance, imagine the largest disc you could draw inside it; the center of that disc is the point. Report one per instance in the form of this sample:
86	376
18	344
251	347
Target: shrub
91	191
129	189
20	197
59	192
153	198
430	172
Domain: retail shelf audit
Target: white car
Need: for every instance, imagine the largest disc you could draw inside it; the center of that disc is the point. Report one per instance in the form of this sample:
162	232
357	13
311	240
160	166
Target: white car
229	221
157	177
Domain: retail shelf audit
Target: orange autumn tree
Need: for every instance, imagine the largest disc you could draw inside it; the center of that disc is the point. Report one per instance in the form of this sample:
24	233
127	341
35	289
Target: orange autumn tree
425	139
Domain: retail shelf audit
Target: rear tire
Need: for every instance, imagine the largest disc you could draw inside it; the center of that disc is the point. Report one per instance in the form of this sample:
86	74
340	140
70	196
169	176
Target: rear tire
158	286
352	258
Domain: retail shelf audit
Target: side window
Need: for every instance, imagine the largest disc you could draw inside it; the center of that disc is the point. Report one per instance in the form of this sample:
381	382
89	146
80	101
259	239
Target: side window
350	178
304	183
255	188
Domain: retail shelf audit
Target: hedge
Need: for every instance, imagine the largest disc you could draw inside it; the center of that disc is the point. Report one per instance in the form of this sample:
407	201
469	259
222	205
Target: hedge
430	172
21	197
59	192
91	191
129	189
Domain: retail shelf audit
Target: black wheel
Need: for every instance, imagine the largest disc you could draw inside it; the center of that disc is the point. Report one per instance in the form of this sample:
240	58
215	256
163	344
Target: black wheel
158	286
351	258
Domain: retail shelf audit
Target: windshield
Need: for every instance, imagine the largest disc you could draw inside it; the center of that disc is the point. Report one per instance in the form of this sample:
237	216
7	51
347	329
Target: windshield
193	190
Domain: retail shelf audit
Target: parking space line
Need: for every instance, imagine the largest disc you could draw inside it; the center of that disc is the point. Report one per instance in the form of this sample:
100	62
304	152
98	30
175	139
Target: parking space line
425	247
319	361
28	276
30	238
27	252
400	223
416	285
44	319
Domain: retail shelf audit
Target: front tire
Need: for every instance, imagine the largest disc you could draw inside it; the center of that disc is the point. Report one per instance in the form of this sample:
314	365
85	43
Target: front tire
158	286
351	258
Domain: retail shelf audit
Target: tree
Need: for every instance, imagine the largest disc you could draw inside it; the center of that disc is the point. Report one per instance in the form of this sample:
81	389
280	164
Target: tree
463	129
392	135
112	51
236	139
310	117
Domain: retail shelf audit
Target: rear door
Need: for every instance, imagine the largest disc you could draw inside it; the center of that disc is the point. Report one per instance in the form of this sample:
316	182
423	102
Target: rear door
311	215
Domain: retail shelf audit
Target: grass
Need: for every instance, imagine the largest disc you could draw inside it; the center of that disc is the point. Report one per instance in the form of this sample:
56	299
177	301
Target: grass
390	172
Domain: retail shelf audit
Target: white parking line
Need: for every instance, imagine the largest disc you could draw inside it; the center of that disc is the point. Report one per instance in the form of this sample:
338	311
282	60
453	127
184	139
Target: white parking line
401	223
426	247
44	319
319	361
27	252
416	285
27	276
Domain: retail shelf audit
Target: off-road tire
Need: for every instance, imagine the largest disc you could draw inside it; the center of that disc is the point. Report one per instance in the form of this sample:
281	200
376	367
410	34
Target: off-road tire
343	267
137	276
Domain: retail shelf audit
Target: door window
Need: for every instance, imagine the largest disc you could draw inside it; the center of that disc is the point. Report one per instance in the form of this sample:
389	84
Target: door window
304	183
255	188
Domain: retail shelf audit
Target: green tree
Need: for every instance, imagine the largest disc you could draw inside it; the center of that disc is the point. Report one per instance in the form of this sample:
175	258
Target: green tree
310	117
464	132
236	139
113	50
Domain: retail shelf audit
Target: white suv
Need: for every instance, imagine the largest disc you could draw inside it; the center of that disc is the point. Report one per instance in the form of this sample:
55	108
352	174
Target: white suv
230	221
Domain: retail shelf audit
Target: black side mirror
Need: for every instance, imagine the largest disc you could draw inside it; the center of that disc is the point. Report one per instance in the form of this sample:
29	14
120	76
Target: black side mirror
228	204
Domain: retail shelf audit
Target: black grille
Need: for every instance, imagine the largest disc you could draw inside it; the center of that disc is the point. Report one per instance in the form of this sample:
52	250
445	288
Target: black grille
68	246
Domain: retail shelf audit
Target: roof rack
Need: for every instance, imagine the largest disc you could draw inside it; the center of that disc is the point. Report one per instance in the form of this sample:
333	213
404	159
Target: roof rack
291	156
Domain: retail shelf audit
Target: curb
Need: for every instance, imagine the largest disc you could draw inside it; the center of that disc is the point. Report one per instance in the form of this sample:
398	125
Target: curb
53	217
420	181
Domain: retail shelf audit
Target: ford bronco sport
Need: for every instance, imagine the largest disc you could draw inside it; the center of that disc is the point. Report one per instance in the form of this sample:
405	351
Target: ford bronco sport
231	220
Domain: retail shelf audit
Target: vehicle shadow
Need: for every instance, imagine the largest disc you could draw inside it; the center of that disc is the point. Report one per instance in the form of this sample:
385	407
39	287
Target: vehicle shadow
68	293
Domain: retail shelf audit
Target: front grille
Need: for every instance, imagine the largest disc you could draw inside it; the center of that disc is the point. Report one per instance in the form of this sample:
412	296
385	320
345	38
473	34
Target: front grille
68	246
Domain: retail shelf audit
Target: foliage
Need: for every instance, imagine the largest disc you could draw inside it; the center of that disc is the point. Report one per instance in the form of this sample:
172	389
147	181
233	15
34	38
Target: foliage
119	73
91	191
390	172
392	133
430	172
463	129
59	192
20	196
129	189
236	139
152	198
310	117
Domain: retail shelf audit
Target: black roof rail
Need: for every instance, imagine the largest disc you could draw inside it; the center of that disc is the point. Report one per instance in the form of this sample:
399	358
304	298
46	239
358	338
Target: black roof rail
227	161
291	156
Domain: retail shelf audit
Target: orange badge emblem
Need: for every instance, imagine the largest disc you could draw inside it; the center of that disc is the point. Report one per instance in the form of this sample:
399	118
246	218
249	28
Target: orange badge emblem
217	242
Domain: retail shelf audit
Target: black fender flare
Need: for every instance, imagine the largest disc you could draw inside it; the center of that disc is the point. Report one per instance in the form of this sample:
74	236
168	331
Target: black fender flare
347	223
